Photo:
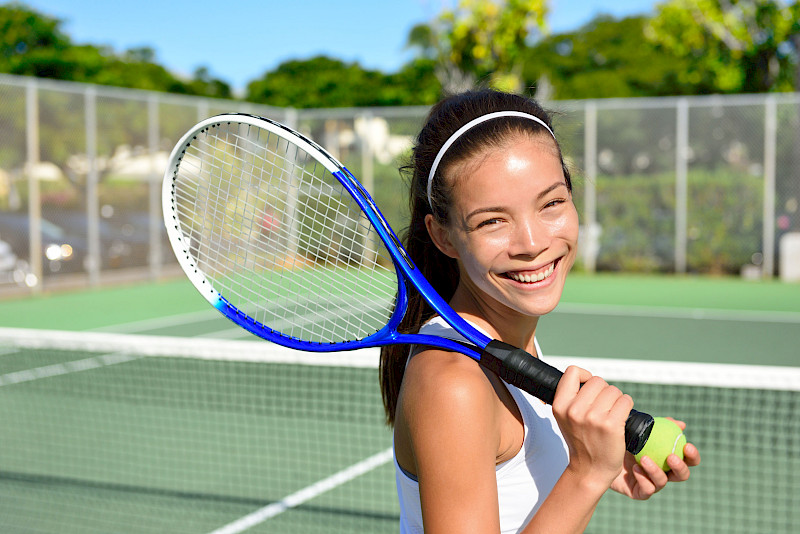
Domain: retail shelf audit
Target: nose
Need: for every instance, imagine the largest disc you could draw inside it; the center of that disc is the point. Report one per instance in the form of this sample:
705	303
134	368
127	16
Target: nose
527	238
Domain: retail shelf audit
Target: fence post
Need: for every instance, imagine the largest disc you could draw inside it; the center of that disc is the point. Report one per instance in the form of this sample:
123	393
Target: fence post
92	200
34	198
202	109
681	186
154	190
591	229
367	162
367	174
292	118
770	134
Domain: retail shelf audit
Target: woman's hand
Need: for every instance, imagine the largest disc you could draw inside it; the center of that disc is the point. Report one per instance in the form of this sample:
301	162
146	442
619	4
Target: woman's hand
641	482
591	415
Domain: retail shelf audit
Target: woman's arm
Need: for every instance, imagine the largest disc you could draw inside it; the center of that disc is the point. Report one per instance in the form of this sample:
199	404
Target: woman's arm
448	422
592	421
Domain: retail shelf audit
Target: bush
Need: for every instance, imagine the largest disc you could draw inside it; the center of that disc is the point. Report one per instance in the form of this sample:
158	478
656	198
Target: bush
637	217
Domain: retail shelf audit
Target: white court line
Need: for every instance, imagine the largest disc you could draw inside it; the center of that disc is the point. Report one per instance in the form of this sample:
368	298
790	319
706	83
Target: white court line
28	375
565	307
307	493
160	322
208	314
285	325
679	313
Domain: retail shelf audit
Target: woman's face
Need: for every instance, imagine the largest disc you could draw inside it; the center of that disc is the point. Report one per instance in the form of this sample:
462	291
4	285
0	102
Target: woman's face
513	227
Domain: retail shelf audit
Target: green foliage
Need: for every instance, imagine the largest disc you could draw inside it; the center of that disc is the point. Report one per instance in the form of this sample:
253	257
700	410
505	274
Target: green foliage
415	84
390	192
480	40
12	121
323	82
637	217
741	45
23	30
688	47
32	44
605	58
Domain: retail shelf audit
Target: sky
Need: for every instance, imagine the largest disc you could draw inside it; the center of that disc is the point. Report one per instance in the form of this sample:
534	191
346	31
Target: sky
239	40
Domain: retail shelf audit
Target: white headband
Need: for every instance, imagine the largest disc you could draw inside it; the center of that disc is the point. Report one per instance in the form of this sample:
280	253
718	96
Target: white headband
471	124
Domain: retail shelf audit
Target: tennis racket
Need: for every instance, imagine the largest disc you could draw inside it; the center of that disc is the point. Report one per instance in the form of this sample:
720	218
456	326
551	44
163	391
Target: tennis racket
281	238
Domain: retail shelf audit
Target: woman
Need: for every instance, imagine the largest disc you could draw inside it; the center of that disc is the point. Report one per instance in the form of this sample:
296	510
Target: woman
494	229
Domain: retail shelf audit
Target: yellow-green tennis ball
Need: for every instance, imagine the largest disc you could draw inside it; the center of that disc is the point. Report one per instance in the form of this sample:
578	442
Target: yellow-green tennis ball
666	438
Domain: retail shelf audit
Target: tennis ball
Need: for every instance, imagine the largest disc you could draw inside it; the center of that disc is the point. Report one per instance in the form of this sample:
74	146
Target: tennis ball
666	438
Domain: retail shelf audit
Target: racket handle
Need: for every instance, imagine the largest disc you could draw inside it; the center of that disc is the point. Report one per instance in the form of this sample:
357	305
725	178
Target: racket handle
540	379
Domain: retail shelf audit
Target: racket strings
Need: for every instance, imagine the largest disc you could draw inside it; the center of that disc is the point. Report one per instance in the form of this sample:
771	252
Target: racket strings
278	236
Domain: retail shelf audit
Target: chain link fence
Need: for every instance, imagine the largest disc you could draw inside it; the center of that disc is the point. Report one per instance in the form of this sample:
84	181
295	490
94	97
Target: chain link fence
683	185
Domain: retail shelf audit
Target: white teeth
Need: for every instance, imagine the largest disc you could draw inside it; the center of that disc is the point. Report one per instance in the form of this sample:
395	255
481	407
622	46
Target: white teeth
530	278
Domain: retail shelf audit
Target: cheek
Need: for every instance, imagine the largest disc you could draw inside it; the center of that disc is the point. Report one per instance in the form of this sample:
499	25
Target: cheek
484	249
477	254
566	226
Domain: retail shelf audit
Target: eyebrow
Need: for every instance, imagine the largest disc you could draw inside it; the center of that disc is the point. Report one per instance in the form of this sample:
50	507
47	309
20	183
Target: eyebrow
494	209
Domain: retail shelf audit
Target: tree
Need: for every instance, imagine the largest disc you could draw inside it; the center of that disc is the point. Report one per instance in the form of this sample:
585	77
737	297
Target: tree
744	45
415	84
480	40
323	82
33	44
204	84
24	35
608	58
315	83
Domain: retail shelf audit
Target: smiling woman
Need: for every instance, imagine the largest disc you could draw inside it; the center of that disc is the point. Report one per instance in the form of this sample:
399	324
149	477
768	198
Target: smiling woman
510	245
494	228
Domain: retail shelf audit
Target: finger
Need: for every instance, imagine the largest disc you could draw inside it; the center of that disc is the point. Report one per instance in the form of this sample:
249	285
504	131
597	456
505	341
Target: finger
679	471
611	404
691	455
592	387
644	486
622	407
570	383
654	473
591	400
681	424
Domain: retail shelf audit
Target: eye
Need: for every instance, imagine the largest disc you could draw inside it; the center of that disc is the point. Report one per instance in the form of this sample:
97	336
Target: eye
487	222
554	202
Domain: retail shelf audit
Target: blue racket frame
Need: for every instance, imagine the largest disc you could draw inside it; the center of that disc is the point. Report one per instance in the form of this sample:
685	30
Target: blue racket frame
405	270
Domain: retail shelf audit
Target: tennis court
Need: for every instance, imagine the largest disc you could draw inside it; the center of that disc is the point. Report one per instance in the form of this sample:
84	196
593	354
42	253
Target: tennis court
146	412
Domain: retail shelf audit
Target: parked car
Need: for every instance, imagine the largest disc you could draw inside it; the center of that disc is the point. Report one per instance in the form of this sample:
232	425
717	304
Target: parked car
62	251
121	244
13	270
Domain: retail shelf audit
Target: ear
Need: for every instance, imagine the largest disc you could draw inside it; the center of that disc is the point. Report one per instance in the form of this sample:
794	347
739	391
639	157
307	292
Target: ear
440	237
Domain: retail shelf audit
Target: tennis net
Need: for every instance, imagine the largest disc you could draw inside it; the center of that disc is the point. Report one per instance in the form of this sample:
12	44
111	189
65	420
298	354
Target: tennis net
121	433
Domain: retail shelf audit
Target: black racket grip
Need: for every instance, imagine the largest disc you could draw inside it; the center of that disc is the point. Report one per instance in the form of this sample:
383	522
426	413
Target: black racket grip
540	379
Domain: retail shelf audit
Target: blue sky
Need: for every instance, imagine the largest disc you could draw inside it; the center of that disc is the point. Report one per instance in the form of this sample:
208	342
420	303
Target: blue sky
239	40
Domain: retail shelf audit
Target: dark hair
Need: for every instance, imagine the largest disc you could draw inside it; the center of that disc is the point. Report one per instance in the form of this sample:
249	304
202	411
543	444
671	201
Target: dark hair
443	120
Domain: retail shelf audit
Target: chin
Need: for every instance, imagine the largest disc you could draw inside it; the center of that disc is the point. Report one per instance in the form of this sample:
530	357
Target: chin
538	309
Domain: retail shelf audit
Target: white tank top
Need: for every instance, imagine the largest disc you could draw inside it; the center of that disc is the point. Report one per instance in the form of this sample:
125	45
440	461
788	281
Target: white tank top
524	481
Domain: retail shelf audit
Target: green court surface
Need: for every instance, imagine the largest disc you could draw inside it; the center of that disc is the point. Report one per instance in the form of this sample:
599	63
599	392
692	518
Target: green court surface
184	445
177	444
724	320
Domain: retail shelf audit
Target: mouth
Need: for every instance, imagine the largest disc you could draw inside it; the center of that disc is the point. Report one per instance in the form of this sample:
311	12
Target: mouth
532	277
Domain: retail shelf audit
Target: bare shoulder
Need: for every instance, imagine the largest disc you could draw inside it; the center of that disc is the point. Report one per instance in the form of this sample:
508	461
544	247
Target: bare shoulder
446	420
450	382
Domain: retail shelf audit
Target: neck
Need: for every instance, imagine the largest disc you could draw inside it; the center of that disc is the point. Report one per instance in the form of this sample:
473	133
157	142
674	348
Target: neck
499	321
